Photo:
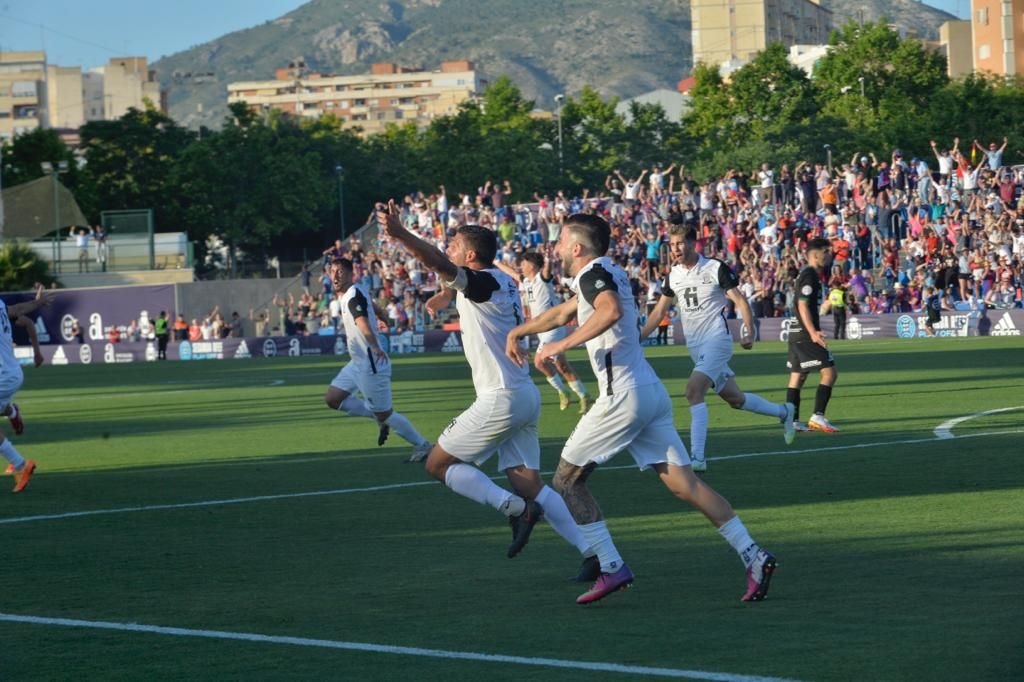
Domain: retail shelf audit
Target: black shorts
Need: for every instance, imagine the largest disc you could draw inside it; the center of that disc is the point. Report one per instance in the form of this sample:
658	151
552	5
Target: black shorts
807	356
933	318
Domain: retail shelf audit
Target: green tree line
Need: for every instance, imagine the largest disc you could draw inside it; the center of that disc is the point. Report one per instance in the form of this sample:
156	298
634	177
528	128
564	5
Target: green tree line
265	183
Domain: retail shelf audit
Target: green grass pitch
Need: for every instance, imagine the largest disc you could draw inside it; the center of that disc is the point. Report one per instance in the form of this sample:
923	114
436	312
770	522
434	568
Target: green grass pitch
903	560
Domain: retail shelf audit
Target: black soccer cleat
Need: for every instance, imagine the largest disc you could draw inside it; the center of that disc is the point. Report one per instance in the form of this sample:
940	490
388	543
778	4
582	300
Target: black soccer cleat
522	526
590	570
382	437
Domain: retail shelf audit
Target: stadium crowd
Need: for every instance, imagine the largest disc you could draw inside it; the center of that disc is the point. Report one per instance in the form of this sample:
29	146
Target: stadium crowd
953	222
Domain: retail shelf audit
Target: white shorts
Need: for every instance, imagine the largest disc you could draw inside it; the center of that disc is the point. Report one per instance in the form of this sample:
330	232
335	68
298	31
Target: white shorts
11	380
551	336
711	359
504	422
376	388
638	420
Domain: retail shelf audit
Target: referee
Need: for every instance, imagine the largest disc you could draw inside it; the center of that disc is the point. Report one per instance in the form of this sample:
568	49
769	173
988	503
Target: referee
807	347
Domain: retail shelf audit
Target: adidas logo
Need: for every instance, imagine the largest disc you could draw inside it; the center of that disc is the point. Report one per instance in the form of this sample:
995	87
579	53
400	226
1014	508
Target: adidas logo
452	344
59	358
243	351
1005	327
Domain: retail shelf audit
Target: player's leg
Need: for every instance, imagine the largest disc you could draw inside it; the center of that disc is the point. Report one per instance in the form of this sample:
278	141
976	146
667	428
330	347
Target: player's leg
696	388
821	398
751	402
797	377
553	378
573	380
21	468
13	414
376	388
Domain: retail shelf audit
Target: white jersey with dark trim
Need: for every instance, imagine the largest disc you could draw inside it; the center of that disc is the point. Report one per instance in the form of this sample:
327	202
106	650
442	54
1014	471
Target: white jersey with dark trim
540	295
355	304
8	362
615	355
700	296
489	307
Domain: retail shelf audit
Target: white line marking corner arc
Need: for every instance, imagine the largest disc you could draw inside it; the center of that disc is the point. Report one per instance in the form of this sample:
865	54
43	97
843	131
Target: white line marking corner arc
944	431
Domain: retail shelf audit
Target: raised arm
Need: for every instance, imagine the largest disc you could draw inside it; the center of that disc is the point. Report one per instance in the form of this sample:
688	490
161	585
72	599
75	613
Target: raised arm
508	270
432	259
33	336
43	298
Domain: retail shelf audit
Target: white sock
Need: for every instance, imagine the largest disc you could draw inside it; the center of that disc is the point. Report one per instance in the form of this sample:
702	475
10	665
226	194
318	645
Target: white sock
600	540
470	482
557	383
578	388
404	428
11	455
355	407
755	403
735	533
14	412
698	429
560	519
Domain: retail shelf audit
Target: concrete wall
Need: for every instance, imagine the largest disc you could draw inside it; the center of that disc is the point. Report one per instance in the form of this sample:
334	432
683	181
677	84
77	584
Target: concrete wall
196	299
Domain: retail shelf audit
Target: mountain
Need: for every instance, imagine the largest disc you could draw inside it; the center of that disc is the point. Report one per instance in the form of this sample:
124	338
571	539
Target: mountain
545	46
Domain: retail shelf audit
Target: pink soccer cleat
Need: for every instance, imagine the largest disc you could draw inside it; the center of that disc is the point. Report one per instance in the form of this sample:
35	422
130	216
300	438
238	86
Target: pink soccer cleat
759	575
607	583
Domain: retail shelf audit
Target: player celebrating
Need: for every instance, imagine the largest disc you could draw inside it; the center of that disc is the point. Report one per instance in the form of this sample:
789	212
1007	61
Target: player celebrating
368	371
633	411
540	296
11	378
504	416
807	347
702	287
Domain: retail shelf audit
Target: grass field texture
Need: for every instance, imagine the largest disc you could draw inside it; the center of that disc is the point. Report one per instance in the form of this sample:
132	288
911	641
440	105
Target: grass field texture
900	552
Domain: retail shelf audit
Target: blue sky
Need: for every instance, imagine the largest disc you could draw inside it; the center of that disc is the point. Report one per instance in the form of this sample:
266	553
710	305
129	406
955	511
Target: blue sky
88	32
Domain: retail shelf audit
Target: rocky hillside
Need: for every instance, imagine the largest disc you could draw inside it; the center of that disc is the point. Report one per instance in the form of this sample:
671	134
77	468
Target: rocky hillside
545	46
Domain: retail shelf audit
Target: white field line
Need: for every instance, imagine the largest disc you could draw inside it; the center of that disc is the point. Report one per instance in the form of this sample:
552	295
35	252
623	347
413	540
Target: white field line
944	431
395	650
413	484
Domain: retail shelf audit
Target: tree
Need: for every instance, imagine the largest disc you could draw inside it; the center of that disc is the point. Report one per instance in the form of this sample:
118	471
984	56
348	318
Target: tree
21	267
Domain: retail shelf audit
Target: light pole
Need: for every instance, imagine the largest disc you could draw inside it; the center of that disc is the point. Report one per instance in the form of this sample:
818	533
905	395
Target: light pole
55	172
828	152
339	170
559	100
861	79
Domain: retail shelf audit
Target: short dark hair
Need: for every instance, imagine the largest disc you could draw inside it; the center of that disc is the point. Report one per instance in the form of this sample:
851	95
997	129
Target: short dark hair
592	231
819	244
482	241
534	258
343	263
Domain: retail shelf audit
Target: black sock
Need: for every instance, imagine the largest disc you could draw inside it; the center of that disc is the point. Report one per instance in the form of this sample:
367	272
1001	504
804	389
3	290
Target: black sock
793	396
821	399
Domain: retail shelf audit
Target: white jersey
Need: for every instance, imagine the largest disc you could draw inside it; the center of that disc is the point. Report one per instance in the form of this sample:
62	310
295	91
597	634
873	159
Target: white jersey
489	307
540	295
355	304
616	355
8	363
700	296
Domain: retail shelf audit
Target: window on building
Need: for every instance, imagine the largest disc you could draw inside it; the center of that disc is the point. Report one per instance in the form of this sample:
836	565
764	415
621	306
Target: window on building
393	102
399	114
408	100
984	51
344	104
982	16
382	115
360	103
341	88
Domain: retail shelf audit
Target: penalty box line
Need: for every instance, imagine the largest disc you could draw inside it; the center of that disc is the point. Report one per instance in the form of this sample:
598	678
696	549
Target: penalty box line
391	649
414	484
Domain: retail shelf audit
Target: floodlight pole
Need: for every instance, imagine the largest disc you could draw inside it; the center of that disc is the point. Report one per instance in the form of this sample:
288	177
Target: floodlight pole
339	170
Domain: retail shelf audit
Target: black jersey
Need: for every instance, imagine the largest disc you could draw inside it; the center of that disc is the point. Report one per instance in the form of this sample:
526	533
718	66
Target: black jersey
808	288
933	307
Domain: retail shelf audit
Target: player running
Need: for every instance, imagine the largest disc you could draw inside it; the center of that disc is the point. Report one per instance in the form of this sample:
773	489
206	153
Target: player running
503	418
12	377
807	347
701	288
540	296
368	370
633	411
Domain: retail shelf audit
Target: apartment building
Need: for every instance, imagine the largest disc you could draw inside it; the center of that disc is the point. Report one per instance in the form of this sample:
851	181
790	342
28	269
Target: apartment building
388	94
23	95
997	33
736	30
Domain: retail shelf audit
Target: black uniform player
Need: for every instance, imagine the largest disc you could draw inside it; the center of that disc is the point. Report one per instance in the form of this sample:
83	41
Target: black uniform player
807	347
933	306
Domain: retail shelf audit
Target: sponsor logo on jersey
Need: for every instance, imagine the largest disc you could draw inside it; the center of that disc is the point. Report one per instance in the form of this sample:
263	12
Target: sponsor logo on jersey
1005	327
807	290
599	284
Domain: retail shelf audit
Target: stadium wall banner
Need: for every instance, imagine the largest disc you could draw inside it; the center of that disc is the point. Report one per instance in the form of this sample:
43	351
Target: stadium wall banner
101	352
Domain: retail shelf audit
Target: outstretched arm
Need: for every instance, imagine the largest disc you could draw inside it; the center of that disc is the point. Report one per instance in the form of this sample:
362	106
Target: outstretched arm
33	336
43	298
552	318
607	311
391	224
508	270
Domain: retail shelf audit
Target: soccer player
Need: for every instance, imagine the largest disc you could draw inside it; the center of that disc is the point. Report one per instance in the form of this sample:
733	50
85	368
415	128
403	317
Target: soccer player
702	287
503	418
11	378
933	306
540	296
368	371
633	411
807	347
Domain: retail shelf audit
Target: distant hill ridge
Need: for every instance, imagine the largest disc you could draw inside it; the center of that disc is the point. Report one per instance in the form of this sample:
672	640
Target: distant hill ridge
545	46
